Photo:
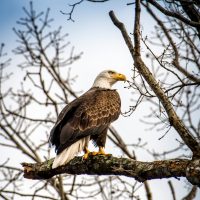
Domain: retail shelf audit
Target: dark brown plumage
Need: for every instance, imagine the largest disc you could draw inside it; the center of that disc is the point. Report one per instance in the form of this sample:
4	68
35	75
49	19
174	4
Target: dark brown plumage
90	114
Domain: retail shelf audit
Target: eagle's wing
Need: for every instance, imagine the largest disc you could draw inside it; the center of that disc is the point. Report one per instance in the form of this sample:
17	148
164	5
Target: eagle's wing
90	114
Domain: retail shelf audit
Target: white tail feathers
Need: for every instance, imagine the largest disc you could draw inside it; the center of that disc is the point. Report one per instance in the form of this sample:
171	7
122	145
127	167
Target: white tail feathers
70	152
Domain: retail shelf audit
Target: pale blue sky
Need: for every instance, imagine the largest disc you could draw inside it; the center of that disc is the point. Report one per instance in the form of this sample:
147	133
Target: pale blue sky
103	47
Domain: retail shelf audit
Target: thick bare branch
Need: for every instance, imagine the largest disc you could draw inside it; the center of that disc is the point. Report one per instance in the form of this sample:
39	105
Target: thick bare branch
174	120
104	165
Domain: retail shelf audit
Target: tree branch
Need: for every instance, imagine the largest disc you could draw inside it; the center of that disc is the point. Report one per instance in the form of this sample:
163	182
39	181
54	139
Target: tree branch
176	53
105	165
174	120
192	194
174	14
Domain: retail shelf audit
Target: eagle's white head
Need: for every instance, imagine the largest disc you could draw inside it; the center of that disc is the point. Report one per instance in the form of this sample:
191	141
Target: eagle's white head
107	78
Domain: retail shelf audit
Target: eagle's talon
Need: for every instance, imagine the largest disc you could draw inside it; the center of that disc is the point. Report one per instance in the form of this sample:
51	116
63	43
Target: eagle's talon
85	156
108	154
100	152
87	153
94	153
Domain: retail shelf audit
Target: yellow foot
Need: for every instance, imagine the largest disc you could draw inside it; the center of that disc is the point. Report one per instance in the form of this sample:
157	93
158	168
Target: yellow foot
86	155
100	152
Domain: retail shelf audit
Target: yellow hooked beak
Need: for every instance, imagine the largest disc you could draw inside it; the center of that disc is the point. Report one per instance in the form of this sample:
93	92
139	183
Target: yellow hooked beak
119	77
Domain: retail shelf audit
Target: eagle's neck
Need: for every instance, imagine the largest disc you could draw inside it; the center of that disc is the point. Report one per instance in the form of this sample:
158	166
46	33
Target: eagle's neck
102	83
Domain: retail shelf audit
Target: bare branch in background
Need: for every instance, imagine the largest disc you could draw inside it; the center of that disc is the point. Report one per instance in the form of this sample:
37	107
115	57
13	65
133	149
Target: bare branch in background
192	194
144	71
74	5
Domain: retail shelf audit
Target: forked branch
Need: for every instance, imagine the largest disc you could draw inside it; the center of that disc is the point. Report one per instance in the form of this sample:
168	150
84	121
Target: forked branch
144	71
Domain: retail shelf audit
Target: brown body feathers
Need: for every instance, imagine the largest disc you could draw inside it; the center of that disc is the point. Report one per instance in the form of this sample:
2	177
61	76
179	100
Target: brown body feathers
89	115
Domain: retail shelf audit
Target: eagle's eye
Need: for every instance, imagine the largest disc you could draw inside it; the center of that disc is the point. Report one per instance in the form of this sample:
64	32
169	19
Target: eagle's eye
111	72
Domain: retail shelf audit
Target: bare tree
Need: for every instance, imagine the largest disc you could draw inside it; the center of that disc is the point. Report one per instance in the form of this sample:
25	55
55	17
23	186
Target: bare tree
44	53
170	83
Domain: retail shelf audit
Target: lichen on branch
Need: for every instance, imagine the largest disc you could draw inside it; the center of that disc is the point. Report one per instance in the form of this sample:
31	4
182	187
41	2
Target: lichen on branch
109	165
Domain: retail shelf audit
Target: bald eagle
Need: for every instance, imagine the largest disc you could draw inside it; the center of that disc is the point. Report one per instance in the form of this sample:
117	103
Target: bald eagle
87	118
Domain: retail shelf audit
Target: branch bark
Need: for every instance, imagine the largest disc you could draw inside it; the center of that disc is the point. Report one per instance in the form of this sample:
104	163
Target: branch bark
105	165
109	165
